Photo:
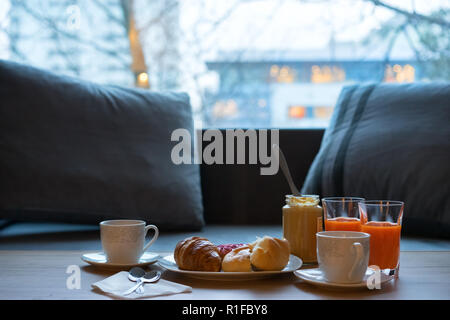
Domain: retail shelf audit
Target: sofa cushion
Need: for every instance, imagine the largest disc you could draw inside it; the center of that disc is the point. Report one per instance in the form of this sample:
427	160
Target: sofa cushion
392	142
75	151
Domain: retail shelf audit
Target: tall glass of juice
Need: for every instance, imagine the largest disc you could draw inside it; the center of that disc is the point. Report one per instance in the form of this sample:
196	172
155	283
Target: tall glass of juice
382	219
341	213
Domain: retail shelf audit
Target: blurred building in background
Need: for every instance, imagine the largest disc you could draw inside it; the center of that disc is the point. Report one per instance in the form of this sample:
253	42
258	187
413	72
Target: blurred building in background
299	89
141	43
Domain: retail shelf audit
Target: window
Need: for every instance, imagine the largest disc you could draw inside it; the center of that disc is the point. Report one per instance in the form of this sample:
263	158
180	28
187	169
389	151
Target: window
244	63
297	112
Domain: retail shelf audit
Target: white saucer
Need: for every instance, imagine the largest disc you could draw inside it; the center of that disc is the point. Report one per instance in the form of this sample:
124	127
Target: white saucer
99	259
315	276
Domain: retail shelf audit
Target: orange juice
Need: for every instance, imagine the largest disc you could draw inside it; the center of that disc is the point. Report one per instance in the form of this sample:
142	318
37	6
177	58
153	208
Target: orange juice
384	243
342	224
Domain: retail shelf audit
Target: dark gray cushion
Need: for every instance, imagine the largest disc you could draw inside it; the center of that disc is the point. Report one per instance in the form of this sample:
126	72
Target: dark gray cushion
392	142
75	151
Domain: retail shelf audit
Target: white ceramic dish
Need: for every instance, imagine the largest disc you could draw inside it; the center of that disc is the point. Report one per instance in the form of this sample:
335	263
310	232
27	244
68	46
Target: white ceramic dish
315	277
99	259
168	263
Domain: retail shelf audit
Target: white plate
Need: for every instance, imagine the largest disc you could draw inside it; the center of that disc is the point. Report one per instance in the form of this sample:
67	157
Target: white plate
315	276
99	259
168	262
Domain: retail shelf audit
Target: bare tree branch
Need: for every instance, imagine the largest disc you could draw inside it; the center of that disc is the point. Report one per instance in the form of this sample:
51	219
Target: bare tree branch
125	5
52	25
165	10
109	14
412	45
412	15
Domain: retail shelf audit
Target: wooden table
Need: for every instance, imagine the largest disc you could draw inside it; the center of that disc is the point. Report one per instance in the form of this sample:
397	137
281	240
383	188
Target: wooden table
42	275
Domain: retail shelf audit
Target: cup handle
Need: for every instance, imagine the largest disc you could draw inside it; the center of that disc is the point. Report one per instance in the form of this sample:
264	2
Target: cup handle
155	236
359	256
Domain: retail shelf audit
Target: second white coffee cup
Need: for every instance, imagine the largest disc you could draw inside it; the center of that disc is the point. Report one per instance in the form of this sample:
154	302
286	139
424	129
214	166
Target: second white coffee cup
123	240
343	256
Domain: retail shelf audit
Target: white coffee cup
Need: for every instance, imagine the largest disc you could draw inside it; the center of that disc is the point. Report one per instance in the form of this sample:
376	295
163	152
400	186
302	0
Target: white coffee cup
343	256
123	240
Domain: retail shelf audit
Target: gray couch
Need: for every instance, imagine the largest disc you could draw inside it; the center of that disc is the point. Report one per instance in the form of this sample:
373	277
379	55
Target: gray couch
239	203
229	196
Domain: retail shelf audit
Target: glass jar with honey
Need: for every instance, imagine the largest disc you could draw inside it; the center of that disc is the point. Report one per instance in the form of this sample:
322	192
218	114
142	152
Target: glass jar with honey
302	219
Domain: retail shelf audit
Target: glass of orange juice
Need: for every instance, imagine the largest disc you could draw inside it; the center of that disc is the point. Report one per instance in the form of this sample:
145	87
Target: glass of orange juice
341	213
382	219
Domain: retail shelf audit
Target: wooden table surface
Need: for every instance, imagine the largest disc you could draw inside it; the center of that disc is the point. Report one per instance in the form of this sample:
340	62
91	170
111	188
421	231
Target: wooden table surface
42	275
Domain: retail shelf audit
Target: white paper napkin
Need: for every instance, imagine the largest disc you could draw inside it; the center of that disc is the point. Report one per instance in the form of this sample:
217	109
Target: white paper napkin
119	283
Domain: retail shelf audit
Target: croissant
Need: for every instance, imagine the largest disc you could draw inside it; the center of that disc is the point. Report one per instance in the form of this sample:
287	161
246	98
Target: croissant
197	254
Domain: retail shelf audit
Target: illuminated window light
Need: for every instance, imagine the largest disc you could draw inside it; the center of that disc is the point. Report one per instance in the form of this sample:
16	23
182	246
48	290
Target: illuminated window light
284	74
323	112
297	112
326	74
274	70
225	109
399	73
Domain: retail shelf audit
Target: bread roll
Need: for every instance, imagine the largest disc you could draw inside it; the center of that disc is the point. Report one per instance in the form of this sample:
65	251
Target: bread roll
269	254
197	254
237	260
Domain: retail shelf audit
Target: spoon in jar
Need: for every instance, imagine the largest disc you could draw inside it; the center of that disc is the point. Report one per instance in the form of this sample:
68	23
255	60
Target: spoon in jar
284	167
